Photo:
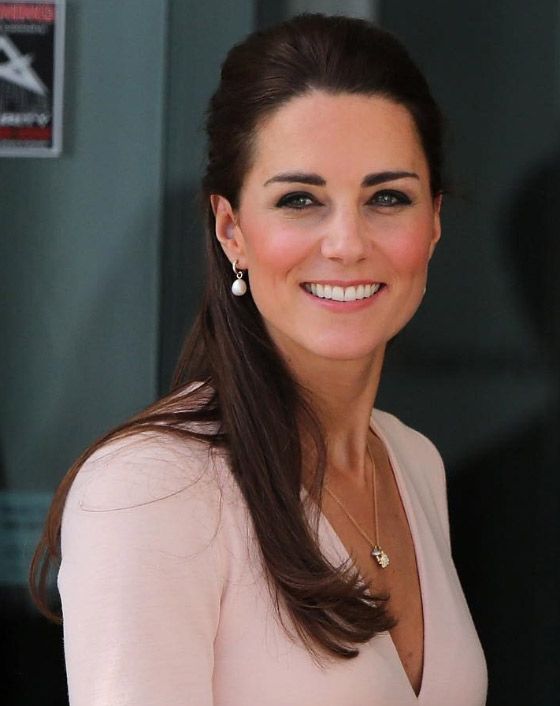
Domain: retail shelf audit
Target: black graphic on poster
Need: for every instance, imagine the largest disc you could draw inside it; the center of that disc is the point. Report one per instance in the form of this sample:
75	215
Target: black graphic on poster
31	36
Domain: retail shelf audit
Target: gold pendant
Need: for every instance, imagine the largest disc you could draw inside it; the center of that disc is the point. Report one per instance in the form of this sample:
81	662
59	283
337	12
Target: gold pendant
379	555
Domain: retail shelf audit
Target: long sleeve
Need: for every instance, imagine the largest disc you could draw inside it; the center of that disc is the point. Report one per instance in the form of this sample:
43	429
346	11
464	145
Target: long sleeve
142	575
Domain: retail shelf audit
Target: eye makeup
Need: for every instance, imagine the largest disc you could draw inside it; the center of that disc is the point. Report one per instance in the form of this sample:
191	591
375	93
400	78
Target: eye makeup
296	200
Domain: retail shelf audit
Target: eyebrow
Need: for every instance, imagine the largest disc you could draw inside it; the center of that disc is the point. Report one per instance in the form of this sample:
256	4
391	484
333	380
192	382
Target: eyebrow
315	180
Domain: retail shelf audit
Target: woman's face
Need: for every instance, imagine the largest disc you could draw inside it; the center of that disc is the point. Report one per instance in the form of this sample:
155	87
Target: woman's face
335	226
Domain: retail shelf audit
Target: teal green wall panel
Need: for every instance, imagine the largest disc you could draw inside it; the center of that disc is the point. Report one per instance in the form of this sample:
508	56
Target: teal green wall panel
79	253
199	38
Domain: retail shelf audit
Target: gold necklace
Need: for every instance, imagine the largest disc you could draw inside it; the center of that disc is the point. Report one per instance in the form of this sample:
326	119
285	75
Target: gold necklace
376	551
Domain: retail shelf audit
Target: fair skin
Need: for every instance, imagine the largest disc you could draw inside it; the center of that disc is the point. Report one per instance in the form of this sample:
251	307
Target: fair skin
338	195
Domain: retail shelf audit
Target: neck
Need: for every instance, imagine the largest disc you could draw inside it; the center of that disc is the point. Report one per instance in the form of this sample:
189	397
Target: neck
342	394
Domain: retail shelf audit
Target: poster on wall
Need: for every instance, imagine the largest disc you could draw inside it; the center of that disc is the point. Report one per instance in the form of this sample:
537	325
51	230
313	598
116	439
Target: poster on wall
31	77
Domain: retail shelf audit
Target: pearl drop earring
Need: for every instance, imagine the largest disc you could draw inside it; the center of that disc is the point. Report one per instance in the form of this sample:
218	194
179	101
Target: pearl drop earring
239	286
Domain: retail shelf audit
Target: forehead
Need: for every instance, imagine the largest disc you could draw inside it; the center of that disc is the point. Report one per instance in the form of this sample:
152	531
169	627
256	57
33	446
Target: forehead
346	133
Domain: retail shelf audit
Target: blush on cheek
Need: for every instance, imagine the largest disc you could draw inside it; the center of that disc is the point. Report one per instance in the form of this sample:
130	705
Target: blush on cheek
275	249
409	253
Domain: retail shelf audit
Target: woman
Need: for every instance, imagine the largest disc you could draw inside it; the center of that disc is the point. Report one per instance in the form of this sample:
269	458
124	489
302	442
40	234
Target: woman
260	536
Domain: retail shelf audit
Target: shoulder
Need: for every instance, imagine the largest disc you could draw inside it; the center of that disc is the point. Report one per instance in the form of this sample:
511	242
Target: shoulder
420	461
143	468
164	492
404	438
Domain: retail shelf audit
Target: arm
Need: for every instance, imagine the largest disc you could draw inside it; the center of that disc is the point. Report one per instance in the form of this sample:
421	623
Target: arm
141	577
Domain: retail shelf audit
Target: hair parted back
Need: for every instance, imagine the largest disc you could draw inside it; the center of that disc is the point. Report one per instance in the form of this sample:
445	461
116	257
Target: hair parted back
259	414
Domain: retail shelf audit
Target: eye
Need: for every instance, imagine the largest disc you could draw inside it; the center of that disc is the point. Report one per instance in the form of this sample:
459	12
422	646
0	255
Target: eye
389	197
298	201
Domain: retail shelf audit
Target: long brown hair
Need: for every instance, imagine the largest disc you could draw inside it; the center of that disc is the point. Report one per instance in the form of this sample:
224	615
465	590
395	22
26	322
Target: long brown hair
259	415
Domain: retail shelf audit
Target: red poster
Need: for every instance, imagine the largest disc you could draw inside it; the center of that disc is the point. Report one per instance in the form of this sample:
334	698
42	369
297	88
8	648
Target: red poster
31	73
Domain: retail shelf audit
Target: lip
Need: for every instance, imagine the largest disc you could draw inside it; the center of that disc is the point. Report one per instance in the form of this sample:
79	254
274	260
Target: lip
344	307
342	282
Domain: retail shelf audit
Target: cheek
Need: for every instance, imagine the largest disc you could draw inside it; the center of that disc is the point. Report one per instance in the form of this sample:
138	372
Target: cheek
409	250
273	249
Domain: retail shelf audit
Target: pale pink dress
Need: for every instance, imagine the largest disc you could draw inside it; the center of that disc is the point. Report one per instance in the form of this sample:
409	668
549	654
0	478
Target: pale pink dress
165	602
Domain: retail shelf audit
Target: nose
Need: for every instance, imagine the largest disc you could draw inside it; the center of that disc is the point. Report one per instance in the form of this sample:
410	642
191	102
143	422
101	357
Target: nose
345	239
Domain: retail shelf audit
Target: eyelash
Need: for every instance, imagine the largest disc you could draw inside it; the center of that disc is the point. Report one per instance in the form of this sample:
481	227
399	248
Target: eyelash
398	198
290	201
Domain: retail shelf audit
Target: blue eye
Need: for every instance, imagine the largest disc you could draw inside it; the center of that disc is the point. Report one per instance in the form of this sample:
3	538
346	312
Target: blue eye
299	201
389	197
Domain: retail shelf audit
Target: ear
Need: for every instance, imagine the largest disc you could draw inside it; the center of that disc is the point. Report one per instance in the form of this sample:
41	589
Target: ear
436	235
227	231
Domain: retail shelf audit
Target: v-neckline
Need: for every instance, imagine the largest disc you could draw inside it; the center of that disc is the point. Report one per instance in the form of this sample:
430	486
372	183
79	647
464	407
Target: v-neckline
413	528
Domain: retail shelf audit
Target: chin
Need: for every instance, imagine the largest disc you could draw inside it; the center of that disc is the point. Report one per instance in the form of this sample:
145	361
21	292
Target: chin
346	350
350	344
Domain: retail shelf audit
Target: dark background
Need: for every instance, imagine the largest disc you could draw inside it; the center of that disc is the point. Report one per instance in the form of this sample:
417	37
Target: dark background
100	263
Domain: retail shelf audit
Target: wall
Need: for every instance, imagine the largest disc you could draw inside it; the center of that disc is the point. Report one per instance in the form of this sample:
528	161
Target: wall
80	249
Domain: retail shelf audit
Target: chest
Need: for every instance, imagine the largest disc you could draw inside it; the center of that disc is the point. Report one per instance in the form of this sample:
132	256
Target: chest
400	580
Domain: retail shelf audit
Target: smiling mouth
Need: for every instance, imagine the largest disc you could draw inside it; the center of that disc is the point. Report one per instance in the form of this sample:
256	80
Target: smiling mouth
342	294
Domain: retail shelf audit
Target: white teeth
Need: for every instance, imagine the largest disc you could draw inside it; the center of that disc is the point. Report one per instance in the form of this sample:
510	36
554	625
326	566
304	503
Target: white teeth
342	294
337	294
